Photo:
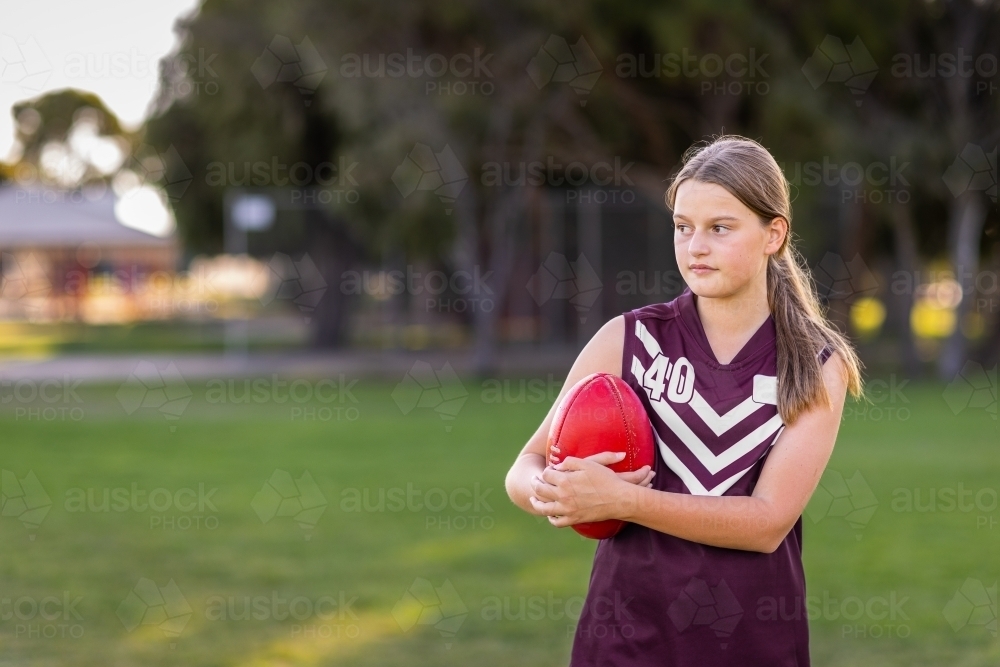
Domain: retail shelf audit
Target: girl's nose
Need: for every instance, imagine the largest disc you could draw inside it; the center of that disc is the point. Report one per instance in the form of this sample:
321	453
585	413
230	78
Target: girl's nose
698	245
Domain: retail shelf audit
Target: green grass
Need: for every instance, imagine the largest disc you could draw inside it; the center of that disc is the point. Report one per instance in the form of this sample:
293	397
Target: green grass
487	553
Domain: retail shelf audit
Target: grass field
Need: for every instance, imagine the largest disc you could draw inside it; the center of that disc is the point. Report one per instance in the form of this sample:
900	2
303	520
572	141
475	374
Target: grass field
123	583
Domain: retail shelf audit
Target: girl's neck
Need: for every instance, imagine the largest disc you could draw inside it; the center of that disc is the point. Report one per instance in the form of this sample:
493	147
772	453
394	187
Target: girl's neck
733	315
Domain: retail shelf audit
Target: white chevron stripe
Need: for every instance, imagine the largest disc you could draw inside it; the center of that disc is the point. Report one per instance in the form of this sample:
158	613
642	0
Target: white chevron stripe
690	480
642	333
722	423
637	370
712	462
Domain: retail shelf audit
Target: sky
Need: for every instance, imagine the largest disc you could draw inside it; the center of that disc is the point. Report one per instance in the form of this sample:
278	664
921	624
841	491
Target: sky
108	47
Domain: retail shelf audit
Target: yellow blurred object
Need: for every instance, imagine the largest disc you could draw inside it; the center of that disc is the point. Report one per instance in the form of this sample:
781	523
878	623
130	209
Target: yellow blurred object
28	341
930	320
867	316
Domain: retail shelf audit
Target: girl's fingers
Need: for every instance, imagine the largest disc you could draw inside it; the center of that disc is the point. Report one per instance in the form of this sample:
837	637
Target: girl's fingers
547	508
606	458
635	476
542	488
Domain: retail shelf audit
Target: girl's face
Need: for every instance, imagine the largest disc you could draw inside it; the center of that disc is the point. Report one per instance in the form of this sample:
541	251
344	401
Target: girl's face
720	244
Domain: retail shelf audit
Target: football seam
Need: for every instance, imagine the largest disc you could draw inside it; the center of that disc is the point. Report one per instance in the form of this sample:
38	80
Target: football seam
630	449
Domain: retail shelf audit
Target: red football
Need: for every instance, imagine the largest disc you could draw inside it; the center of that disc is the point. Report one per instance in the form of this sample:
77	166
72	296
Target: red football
601	413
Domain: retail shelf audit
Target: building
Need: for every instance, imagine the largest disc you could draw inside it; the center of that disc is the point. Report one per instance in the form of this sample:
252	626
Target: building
64	255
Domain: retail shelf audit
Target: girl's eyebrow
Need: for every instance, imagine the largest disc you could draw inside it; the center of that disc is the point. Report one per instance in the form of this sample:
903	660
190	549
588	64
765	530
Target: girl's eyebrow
713	219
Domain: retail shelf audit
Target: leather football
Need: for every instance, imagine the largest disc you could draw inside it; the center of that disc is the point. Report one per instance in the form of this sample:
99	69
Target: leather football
601	413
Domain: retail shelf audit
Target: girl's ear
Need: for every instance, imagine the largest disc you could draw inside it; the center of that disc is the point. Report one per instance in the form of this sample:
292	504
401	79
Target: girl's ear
777	232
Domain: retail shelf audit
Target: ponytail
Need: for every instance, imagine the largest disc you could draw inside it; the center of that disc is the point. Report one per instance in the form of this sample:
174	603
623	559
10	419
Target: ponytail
804	337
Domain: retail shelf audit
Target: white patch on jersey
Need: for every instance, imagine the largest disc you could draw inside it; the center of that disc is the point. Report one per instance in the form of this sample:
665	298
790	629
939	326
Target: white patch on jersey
765	389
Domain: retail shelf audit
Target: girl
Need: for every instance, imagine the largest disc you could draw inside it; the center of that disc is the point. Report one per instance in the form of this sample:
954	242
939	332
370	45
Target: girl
744	384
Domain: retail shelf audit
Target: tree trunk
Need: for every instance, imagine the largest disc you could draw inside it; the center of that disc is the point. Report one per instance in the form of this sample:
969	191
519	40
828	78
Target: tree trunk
334	252
965	224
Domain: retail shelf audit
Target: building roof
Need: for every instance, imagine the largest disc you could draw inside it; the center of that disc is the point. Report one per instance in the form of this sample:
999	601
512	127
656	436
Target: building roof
59	218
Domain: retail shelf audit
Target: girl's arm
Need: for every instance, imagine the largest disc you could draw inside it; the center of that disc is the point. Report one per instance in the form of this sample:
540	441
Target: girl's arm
602	354
578	490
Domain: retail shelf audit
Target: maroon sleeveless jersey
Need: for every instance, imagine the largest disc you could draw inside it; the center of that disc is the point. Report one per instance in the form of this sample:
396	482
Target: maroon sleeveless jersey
656	600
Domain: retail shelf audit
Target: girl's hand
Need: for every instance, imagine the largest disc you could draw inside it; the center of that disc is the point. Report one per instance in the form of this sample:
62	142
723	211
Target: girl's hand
643	476
583	490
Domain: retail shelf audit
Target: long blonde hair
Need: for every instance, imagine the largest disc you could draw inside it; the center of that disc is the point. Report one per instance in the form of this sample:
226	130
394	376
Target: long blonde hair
750	173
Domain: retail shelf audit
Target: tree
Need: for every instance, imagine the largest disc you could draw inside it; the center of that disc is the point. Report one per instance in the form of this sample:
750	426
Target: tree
67	138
